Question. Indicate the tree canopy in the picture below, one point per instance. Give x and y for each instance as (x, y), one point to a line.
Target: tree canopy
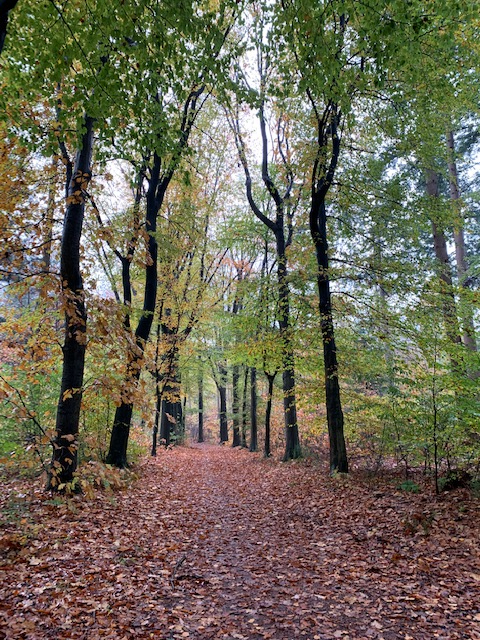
(203, 194)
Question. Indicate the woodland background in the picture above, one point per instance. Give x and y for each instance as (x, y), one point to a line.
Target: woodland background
(240, 221)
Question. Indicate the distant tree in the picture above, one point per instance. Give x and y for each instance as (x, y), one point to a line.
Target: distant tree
(253, 410)
(277, 178)
(201, 404)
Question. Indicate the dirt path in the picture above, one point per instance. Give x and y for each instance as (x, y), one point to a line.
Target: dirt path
(214, 543)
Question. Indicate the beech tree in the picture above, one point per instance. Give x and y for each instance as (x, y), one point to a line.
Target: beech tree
(257, 342)
(158, 181)
(278, 183)
(342, 55)
(171, 107)
(323, 28)
(64, 459)
(56, 98)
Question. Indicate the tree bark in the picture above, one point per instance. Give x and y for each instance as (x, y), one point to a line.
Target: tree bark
(318, 229)
(172, 412)
(222, 392)
(201, 436)
(158, 391)
(292, 439)
(468, 333)
(65, 445)
(235, 406)
(283, 217)
(267, 449)
(236, 309)
(243, 435)
(449, 307)
(158, 414)
(253, 410)
(323, 171)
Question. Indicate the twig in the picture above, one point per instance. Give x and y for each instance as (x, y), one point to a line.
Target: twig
(175, 569)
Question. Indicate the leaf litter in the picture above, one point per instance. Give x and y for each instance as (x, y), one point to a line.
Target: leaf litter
(216, 543)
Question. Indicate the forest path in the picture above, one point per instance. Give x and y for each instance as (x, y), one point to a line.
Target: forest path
(215, 543)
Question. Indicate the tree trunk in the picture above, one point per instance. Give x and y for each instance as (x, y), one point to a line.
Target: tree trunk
(158, 380)
(171, 401)
(449, 307)
(49, 218)
(64, 458)
(177, 415)
(282, 218)
(166, 423)
(171, 422)
(267, 449)
(318, 229)
(468, 334)
(182, 419)
(253, 410)
(292, 439)
(223, 414)
(235, 406)
(243, 442)
(157, 188)
(222, 392)
(158, 414)
(201, 437)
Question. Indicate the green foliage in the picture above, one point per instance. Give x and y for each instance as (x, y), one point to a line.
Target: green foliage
(409, 486)
(398, 75)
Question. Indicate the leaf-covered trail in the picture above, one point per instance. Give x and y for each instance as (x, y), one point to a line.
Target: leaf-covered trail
(214, 543)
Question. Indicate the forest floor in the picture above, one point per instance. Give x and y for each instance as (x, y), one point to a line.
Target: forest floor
(215, 543)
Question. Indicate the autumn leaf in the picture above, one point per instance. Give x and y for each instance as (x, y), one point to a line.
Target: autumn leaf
(235, 553)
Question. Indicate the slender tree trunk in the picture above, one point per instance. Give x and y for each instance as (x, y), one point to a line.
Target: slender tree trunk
(282, 218)
(64, 458)
(183, 418)
(49, 219)
(267, 449)
(166, 423)
(236, 309)
(177, 406)
(223, 414)
(171, 401)
(468, 335)
(243, 442)
(222, 392)
(235, 405)
(253, 410)
(318, 228)
(158, 380)
(158, 414)
(292, 439)
(201, 437)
